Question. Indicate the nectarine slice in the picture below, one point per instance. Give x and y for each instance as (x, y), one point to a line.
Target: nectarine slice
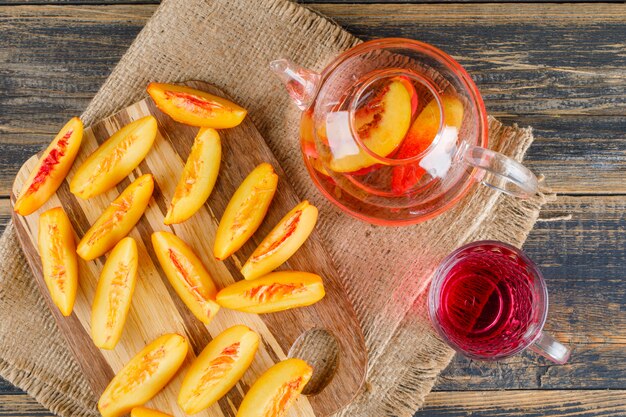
(115, 158)
(58, 258)
(245, 210)
(198, 177)
(118, 219)
(218, 368)
(307, 127)
(381, 124)
(282, 242)
(147, 412)
(277, 291)
(194, 107)
(419, 138)
(276, 390)
(187, 274)
(144, 376)
(113, 294)
(52, 168)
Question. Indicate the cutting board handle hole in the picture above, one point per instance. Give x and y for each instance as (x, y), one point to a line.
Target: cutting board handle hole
(320, 349)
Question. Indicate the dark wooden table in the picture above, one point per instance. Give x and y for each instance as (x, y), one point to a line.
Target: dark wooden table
(560, 68)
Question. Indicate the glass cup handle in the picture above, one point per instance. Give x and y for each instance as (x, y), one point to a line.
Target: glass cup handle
(550, 348)
(507, 175)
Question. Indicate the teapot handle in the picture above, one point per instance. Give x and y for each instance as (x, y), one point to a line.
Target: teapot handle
(501, 172)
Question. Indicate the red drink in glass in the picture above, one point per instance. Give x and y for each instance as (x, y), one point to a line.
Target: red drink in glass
(489, 301)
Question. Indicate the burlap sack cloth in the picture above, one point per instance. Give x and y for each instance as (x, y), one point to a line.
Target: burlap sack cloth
(386, 270)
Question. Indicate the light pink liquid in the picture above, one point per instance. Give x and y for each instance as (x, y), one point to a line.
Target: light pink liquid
(487, 302)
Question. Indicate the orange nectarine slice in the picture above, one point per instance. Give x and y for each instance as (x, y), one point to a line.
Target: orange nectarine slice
(147, 412)
(114, 293)
(277, 291)
(198, 177)
(282, 242)
(187, 274)
(144, 376)
(245, 210)
(118, 219)
(218, 368)
(50, 171)
(419, 138)
(381, 125)
(276, 390)
(58, 258)
(307, 127)
(115, 158)
(307, 141)
(194, 107)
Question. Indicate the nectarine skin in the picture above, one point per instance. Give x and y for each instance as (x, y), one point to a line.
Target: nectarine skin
(381, 125)
(113, 294)
(187, 274)
(194, 107)
(218, 368)
(419, 138)
(273, 292)
(276, 390)
(282, 242)
(52, 168)
(117, 220)
(198, 177)
(115, 159)
(144, 376)
(57, 249)
(245, 211)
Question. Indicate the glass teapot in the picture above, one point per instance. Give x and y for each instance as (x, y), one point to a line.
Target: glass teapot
(394, 132)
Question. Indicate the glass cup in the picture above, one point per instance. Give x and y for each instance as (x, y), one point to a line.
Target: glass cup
(489, 301)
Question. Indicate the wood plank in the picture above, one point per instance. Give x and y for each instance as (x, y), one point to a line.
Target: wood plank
(504, 48)
(5, 213)
(7, 388)
(579, 403)
(21, 405)
(49, 68)
(572, 92)
(577, 154)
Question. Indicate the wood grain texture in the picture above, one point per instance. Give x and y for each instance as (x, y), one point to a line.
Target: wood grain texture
(15, 405)
(525, 404)
(514, 403)
(243, 149)
(558, 68)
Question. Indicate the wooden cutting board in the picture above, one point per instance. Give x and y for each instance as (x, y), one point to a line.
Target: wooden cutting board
(156, 309)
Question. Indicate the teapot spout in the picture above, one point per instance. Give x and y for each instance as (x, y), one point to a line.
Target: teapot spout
(301, 83)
